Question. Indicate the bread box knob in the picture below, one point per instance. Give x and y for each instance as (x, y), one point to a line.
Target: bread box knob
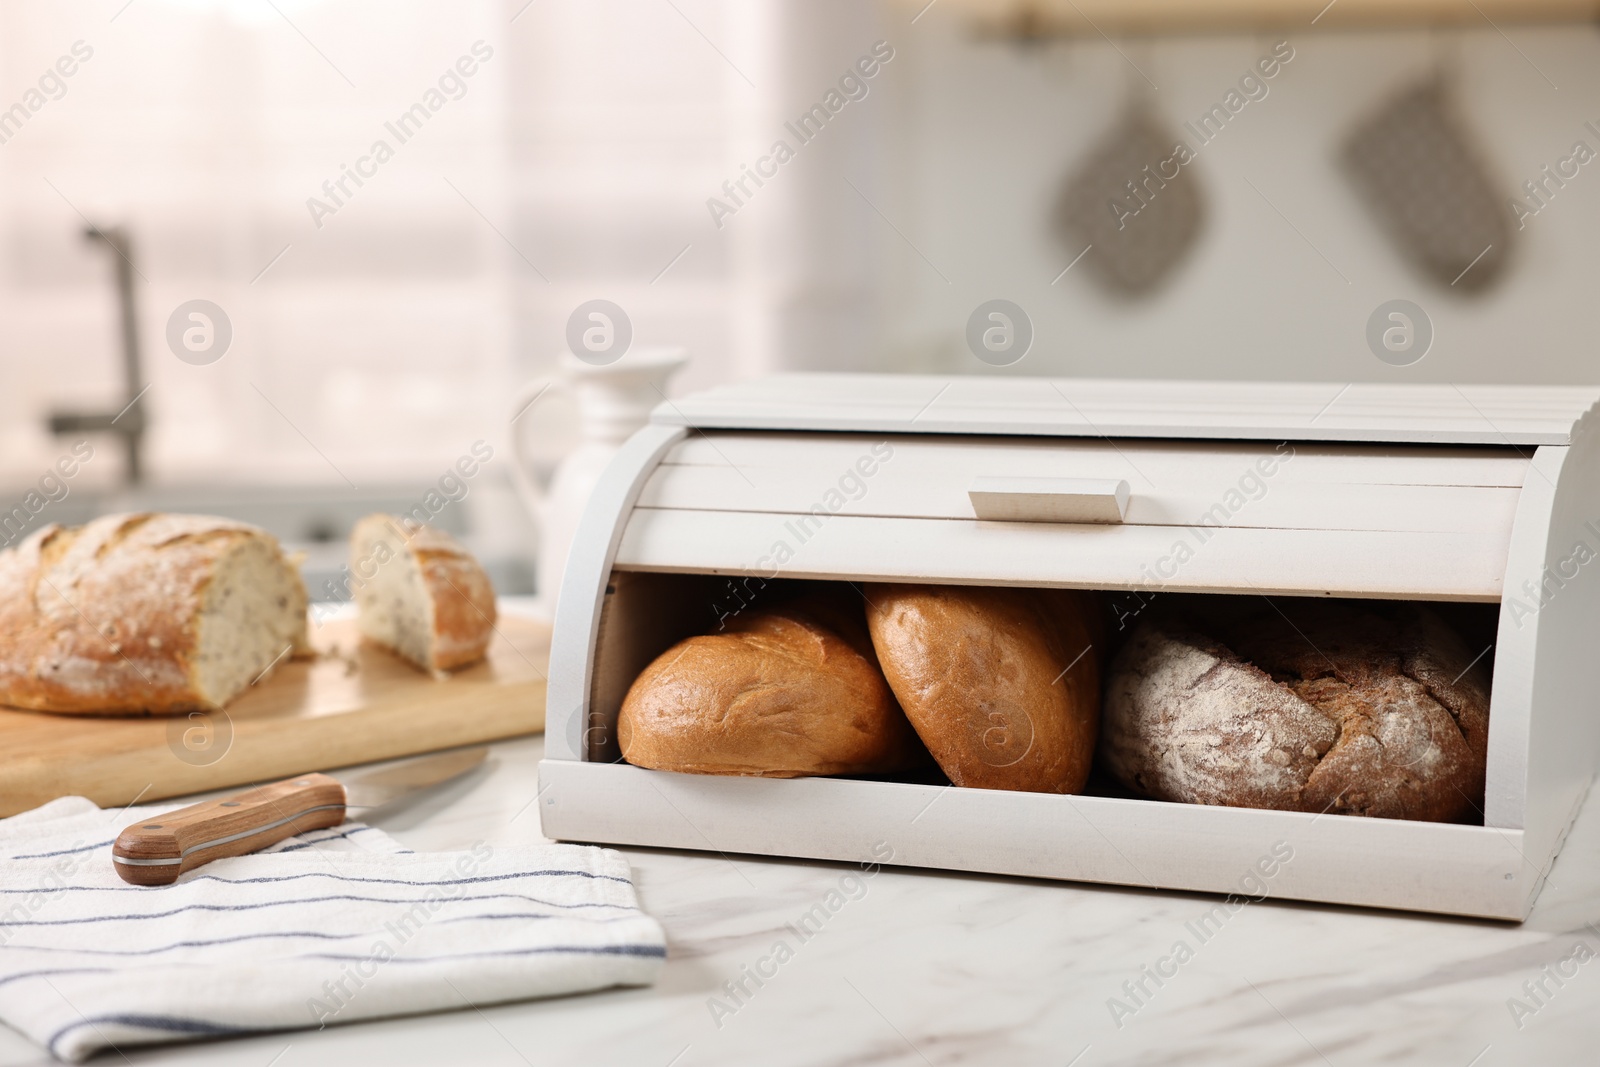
(1049, 499)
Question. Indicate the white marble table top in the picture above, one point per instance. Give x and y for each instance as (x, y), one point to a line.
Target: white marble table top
(918, 967)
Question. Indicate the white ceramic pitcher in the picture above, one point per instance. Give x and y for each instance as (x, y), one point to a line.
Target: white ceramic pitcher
(614, 400)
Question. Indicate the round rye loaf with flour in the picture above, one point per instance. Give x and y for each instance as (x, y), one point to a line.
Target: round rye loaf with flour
(1348, 707)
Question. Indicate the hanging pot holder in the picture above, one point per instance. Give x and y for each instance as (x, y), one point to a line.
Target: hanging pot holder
(1133, 202)
(1417, 170)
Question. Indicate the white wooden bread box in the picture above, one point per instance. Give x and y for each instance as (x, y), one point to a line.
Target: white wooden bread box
(1423, 492)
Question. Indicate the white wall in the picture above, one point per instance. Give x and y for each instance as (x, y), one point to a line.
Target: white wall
(987, 131)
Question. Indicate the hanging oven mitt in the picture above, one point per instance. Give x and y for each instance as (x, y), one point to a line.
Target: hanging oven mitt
(1417, 170)
(1134, 200)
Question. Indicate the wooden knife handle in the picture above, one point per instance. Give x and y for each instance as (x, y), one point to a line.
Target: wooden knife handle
(156, 852)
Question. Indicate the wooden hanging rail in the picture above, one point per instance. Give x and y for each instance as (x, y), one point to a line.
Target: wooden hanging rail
(1076, 18)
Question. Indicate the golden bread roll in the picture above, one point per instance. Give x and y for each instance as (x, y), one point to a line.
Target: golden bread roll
(1002, 685)
(779, 693)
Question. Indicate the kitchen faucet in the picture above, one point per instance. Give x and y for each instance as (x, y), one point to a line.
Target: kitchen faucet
(130, 421)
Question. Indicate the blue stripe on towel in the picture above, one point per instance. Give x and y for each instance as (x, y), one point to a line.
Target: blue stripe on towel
(648, 951)
(316, 874)
(59, 970)
(64, 851)
(309, 900)
(279, 935)
(655, 952)
(171, 1024)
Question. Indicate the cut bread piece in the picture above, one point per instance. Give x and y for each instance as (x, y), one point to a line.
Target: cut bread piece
(421, 595)
(147, 613)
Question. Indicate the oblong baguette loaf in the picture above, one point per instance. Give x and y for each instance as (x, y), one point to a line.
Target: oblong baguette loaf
(145, 613)
(782, 693)
(1002, 685)
(420, 593)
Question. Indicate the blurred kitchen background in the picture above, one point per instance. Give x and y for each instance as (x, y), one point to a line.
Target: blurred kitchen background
(375, 343)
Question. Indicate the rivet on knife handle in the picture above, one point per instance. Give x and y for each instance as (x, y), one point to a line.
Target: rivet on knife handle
(158, 851)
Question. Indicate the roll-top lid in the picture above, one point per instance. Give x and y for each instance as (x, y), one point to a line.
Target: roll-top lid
(1098, 407)
(1296, 518)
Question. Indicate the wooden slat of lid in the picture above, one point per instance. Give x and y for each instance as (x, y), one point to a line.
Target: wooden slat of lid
(1226, 498)
(1173, 483)
(1445, 414)
(1147, 465)
(1468, 565)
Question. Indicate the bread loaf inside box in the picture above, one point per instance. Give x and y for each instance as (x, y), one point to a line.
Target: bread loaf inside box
(1002, 685)
(789, 688)
(812, 678)
(1350, 707)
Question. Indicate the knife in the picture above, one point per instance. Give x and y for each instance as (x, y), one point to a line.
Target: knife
(157, 852)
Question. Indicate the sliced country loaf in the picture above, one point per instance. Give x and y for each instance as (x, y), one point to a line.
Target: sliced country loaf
(145, 613)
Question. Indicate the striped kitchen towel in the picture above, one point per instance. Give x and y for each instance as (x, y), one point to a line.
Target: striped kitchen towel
(328, 927)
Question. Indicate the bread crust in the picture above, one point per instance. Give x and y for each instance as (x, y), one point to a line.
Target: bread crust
(777, 694)
(105, 617)
(1002, 685)
(1335, 707)
(464, 609)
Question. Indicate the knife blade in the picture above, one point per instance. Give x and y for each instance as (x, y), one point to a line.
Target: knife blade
(158, 851)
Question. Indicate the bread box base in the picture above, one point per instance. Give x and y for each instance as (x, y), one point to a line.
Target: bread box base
(1437, 867)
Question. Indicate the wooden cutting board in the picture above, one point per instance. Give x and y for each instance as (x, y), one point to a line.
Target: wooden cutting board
(354, 703)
